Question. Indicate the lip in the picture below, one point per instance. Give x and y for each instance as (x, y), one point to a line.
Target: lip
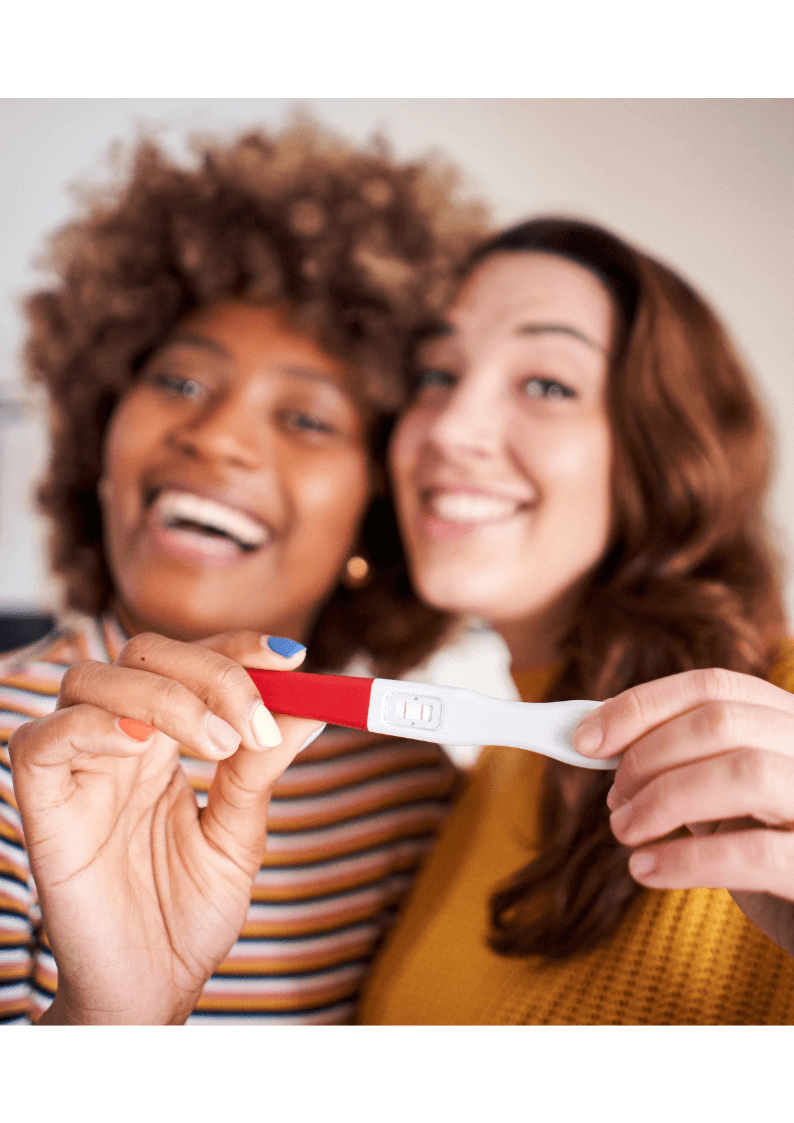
(437, 528)
(226, 496)
(193, 547)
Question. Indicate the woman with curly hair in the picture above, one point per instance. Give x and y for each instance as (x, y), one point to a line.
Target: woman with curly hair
(584, 464)
(222, 350)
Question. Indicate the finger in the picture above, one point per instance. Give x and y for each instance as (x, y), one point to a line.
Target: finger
(622, 720)
(216, 678)
(732, 786)
(153, 699)
(49, 746)
(252, 649)
(235, 818)
(706, 731)
(752, 861)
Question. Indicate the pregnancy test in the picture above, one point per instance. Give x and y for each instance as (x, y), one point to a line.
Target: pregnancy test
(449, 715)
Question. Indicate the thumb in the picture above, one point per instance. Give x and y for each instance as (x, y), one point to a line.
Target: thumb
(235, 818)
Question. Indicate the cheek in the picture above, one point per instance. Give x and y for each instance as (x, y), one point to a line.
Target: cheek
(125, 444)
(331, 499)
(404, 455)
(572, 464)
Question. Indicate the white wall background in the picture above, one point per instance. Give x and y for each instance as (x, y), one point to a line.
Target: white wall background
(707, 185)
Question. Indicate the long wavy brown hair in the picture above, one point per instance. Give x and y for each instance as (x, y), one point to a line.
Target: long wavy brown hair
(689, 578)
(362, 249)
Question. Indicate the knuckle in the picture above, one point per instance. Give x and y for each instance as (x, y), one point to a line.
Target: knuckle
(764, 850)
(232, 677)
(170, 700)
(172, 694)
(234, 644)
(231, 685)
(716, 721)
(638, 706)
(629, 770)
(715, 682)
(77, 679)
(18, 740)
(136, 649)
(75, 674)
(753, 770)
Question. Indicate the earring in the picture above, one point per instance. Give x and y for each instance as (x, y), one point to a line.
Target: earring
(356, 571)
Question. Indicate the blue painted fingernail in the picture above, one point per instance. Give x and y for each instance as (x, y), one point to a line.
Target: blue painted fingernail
(283, 646)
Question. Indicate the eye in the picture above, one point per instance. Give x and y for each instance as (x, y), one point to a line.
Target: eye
(187, 388)
(547, 388)
(429, 377)
(306, 422)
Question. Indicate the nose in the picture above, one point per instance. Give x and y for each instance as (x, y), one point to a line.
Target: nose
(228, 430)
(470, 423)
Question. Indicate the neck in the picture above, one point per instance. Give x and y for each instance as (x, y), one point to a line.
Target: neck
(535, 641)
(182, 628)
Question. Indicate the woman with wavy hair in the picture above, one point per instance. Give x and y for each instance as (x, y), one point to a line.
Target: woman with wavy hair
(584, 464)
(223, 348)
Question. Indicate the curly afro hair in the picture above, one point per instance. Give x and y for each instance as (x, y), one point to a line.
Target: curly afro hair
(365, 251)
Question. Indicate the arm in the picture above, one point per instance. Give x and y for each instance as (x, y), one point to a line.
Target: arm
(143, 895)
(711, 751)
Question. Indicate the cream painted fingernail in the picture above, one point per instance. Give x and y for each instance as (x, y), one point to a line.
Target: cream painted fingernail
(265, 729)
(224, 736)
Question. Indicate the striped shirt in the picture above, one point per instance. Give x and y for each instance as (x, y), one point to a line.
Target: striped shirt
(349, 822)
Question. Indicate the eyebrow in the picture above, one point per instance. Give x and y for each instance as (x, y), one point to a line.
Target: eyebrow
(184, 339)
(444, 331)
(560, 329)
(206, 344)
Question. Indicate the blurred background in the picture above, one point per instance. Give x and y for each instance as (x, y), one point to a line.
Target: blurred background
(705, 184)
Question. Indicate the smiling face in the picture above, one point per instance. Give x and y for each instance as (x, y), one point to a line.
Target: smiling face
(502, 461)
(235, 478)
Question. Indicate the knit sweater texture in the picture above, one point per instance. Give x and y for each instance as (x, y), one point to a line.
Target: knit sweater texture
(681, 957)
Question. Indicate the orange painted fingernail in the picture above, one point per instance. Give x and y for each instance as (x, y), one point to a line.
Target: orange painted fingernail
(138, 730)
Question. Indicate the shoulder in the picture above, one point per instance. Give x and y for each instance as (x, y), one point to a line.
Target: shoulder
(30, 677)
(783, 671)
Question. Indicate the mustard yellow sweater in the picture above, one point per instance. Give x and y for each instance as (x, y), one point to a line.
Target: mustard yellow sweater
(683, 957)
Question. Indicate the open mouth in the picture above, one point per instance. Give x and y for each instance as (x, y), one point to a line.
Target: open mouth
(470, 507)
(207, 520)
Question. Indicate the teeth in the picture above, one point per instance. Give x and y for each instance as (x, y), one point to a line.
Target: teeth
(460, 507)
(173, 507)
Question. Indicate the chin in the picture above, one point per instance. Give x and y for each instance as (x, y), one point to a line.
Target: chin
(174, 615)
(458, 592)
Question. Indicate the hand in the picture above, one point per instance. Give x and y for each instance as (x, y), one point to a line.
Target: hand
(142, 894)
(708, 759)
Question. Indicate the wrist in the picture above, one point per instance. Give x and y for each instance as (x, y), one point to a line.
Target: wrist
(62, 1013)
(57, 1014)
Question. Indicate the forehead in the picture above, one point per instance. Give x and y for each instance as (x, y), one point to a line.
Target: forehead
(243, 329)
(511, 291)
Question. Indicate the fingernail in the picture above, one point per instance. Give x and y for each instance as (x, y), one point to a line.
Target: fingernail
(312, 737)
(641, 863)
(619, 818)
(283, 646)
(265, 729)
(138, 730)
(588, 735)
(224, 736)
(614, 799)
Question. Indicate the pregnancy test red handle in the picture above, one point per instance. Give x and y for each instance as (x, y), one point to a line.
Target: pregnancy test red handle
(337, 699)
